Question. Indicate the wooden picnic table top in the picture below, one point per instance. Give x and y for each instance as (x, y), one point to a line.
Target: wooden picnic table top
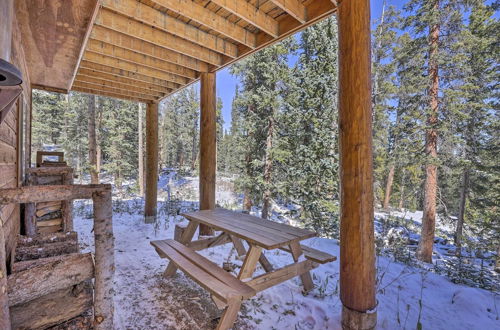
(267, 234)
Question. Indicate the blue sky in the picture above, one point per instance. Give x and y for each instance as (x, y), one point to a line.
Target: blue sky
(226, 83)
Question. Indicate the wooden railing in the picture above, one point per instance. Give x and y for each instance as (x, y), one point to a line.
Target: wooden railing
(103, 235)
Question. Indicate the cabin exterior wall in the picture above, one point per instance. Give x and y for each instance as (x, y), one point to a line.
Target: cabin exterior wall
(15, 144)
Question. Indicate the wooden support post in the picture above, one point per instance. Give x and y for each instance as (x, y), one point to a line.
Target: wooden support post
(208, 145)
(104, 260)
(357, 246)
(151, 162)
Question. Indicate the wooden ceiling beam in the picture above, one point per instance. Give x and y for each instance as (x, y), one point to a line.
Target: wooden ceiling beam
(152, 17)
(146, 48)
(113, 78)
(109, 94)
(107, 89)
(128, 74)
(160, 38)
(294, 8)
(144, 60)
(114, 84)
(124, 65)
(209, 19)
(251, 14)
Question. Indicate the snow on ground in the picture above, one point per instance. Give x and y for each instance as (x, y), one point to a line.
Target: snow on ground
(146, 300)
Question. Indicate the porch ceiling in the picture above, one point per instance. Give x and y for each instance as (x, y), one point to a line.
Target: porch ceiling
(145, 50)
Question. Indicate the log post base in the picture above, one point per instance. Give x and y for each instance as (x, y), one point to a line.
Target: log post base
(354, 320)
(149, 218)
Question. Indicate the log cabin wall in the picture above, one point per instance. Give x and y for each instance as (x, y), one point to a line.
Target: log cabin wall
(15, 145)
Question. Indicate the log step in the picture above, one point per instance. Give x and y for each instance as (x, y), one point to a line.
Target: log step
(47, 245)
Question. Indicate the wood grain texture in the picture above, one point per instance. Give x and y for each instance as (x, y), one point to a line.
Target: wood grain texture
(208, 145)
(49, 277)
(151, 160)
(357, 246)
(53, 32)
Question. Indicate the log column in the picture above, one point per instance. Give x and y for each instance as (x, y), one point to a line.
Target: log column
(151, 162)
(208, 145)
(357, 246)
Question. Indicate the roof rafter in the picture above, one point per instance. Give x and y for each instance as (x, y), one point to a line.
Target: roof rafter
(149, 87)
(109, 94)
(143, 47)
(133, 67)
(209, 19)
(144, 60)
(148, 15)
(145, 32)
(294, 8)
(128, 74)
(251, 14)
(108, 89)
(114, 84)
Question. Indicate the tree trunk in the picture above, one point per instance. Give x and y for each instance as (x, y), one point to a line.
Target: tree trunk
(426, 244)
(94, 175)
(388, 187)
(247, 202)
(497, 260)
(141, 153)
(268, 164)
(464, 193)
(402, 192)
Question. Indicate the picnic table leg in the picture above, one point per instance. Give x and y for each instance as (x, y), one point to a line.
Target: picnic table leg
(305, 277)
(186, 237)
(250, 262)
(229, 315)
(240, 249)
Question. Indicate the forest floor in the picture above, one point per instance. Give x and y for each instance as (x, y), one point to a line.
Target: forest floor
(407, 295)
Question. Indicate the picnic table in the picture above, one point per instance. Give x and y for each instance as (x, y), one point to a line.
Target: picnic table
(227, 290)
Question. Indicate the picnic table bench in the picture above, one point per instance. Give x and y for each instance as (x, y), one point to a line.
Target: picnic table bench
(228, 291)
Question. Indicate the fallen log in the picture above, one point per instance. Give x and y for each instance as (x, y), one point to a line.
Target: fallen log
(46, 250)
(52, 276)
(49, 209)
(49, 223)
(23, 265)
(42, 239)
(42, 205)
(49, 230)
(53, 308)
(49, 216)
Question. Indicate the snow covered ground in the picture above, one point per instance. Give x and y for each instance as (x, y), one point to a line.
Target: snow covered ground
(407, 296)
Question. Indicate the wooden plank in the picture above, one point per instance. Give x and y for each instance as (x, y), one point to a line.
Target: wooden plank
(108, 94)
(241, 225)
(53, 308)
(112, 88)
(113, 84)
(86, 38)
(49, 230)
(187, 236)
(209, 19)
(251, 14)
(281, 275)
(209, 242)
(134, 67)
(313, 254)
(124, 54)
(294, 8)
(49, 277)
(144, 87)
(152, 17)
(7, 154)
(121, 40)
(248, 267)
(213, 269)
(147, 33)
(229, 315)
(7, 135)
(205, 280)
